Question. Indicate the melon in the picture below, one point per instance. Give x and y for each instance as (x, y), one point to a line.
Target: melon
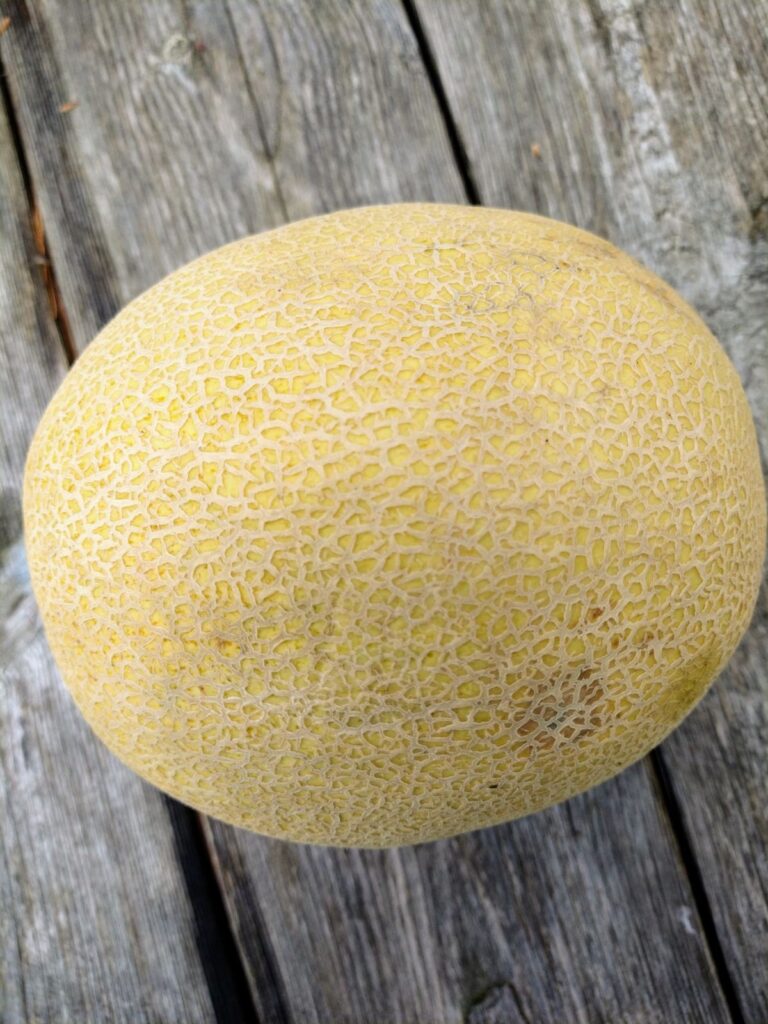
(395, 523)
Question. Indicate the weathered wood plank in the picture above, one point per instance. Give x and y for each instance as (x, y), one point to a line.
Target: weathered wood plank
(197, 123)
(650, 126)
(95, 922)
(578, 914)
(174, 147)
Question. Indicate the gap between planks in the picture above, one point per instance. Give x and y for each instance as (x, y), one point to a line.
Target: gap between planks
(693, 873)
(45, 264)
(459, 150)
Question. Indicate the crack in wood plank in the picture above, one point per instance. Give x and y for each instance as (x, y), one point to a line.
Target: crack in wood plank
(698, 889)
(224, 965)
(38, 234)
(499, 1003)
(454, 134)
(270, 151)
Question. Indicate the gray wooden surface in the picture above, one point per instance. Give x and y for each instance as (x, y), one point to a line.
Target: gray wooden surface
(197, 121)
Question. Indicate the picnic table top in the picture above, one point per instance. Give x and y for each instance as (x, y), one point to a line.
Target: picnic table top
(135, 136)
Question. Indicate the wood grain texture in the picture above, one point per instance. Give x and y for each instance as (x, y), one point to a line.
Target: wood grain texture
(95, 923)
(652, 130)
(198, 122)
(578, 914)
(186, 115)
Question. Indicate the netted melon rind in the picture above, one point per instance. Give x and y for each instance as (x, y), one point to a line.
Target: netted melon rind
(395, 523)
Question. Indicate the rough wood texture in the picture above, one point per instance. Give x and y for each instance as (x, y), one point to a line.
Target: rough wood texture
(579, 914)
(652, 130)
(188, 131)
(198, 122)
(95, 923)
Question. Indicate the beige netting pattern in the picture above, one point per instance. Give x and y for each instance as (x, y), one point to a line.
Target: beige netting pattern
(395, 523)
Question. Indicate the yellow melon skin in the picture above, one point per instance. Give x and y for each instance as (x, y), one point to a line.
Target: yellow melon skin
(395, 523)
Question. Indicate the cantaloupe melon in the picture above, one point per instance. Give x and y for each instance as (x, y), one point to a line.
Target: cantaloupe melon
(395, 523)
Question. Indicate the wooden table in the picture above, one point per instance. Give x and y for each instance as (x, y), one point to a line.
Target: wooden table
(136, 134)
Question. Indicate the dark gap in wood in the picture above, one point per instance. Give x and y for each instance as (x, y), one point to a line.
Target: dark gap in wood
(45, 264)
(13, 124)
(219, 953)
(696, 882)
(273, 1002)
(602, 28)
(454, 137)
(488, 1004)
